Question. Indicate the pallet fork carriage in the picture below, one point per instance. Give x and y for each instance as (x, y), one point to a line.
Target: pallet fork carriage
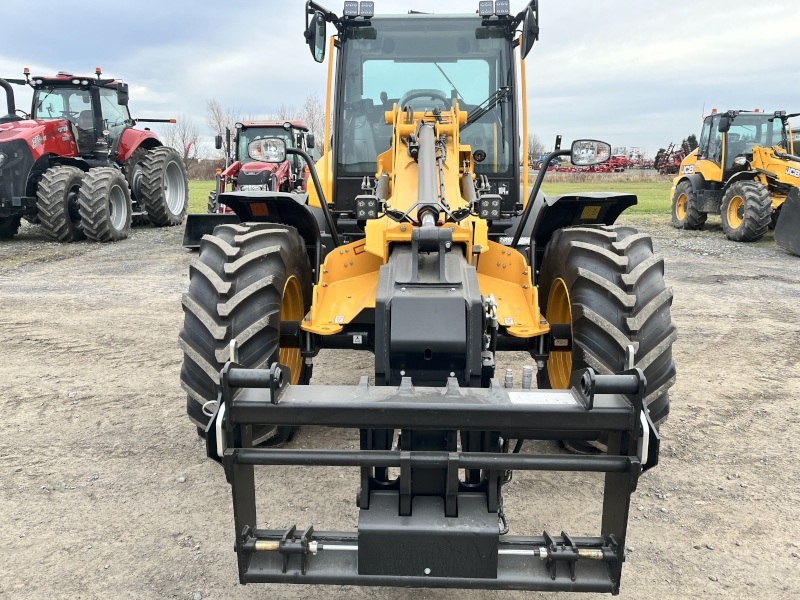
(402, 539)
(422, 242)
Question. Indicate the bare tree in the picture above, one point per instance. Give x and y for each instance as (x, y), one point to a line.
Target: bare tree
(535, 147)
(184, 136)
(219, 119)
(313, 113)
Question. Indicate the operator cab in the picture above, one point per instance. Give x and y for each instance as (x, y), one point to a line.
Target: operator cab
(425, 63)
(727, 139)
(293, 133)
(96, 108)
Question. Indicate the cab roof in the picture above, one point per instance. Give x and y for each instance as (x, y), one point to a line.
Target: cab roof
(301, 125)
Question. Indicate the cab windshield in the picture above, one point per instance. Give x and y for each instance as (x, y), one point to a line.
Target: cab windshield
(73, 104)
(425, 63)
(251, 134)
(748, 131)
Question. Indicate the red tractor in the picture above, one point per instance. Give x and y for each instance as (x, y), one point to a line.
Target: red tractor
(76, 165)
(246, 170)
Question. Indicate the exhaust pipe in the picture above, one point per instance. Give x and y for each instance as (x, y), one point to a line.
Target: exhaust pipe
(12, 109)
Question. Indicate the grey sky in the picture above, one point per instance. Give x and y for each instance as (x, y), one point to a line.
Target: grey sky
(634, 73)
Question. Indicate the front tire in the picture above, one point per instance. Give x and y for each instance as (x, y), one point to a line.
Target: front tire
(746, 211)
(608, 285)
(247, 278)
(105, 205)
(57, 204)
(212, 202)
(164, 187)
(685, 212)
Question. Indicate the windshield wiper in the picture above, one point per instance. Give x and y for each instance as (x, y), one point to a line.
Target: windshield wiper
(449, 81)
(501, 95)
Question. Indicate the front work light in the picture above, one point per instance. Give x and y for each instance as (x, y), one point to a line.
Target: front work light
(486, 8)
(502, 8)
(350, 9)
(367, 9)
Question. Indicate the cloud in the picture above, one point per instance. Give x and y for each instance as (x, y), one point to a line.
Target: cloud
(631, 72)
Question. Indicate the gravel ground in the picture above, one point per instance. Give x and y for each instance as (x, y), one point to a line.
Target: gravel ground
(106, 492)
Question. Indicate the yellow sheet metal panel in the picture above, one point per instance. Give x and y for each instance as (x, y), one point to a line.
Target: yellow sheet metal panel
(504, 273)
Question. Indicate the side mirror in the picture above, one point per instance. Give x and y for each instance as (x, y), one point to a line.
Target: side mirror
(268, 150)
(530, 28)
(724, 124)
(316, 36)
(310, 141)
(218, 142)
(586, 153)
(122, 94)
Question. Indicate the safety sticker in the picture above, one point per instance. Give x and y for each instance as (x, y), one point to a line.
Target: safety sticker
(508, 321)
(339, 320)
(590, 212)
(540, 398)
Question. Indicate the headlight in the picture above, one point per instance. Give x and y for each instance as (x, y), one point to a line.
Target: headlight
(2, 159)
(740, 160)
(253, 188)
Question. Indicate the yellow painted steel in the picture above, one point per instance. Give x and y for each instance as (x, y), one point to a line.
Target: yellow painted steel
(525, 149)
(292, 309)
(735, 212)
(349, 279)
(559, 311)
(326, 176)
(680, 207)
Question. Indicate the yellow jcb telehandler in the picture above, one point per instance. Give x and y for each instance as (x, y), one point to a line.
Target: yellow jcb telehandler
(744, 169)
(421, 244)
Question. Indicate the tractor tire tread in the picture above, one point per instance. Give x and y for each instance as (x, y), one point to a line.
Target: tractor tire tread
(94, 206)
(694, 219)
(154, 172)
(51, 204)
(757, 211)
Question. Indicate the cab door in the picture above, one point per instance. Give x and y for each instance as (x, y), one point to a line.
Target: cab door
(710, 151)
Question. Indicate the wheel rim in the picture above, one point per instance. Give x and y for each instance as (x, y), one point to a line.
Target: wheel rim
(559, 312)
(680, 207)
(117, 207)
(292, 309)
(735, 212)
(136, 181)
(174, 191)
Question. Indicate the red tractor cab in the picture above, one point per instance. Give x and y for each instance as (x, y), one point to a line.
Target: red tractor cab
(76, 165)
(246, 171)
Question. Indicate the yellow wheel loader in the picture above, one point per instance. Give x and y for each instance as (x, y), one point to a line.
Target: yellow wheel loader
(744, 169)
(423, 243)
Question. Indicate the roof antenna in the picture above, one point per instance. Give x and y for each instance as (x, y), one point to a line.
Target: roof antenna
(704, 111)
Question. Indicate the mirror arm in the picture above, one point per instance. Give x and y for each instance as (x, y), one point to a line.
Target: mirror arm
(535, 192)
(325, 208)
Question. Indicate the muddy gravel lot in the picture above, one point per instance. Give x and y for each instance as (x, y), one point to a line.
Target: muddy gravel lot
(106, 492)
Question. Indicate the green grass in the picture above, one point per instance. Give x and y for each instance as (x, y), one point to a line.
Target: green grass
(198, 195)
(654, 198)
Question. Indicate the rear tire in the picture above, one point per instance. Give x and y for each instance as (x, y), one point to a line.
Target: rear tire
(746, 211)
(164, 187)
(9, 226)
(212, 202)
(105, 205)
(246, 278)
(57, 203)
(685, 212)
(616, 296)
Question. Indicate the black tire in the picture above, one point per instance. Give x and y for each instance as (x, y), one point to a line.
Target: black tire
(133, 174)
(9, 226)
(164, 187)
(57, 203)
(236, 291)
(105, 205)
(212, 202)
(746, 211)
(617, 297)
(685, 212)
